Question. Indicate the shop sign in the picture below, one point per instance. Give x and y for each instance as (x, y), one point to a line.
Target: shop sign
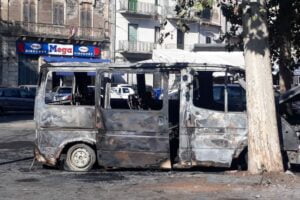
(86, 51)
(60, 49)
(36, 48)
(32, 48)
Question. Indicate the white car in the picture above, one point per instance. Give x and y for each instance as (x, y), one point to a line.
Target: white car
(121, 92)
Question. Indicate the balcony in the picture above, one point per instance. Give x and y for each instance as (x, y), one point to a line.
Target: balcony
(207, 17)
(187, 47)
(141, 9)
(170, 13)
(18, 28)
(135, 47)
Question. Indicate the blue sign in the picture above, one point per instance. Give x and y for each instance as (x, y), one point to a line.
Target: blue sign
(86, 51)
(36, 48)
(32, 48)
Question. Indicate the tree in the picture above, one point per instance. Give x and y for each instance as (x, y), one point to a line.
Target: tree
(284, 28)
(263, 141)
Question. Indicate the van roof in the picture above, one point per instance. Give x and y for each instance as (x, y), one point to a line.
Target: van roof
(163, 66)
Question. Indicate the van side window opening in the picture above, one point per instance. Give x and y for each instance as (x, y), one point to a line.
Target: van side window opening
(134, 91)
(70, 88)
(210, 88)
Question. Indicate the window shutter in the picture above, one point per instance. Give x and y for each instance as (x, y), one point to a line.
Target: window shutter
(55, 14)
(61, 14)
(32, 12)
(88, 18)
(25, 11)
(82, 17)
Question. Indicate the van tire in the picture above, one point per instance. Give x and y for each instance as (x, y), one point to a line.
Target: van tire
(80, 158)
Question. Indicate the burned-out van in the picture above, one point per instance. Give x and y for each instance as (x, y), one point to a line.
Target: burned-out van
(204, 124)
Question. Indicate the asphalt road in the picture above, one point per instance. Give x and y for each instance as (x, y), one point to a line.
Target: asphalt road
(17, 181)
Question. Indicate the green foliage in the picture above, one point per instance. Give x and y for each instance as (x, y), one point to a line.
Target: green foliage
(283, 23)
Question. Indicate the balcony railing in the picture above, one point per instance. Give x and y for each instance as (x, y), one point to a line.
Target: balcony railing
(141, 8)
(207, 16)
(187, 47)
(56, 31)
(135, 46)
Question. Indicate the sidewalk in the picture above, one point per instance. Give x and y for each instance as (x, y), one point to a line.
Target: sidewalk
(17, 121)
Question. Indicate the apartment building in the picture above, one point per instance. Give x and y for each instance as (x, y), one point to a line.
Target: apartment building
(138, 28)
(56, 28)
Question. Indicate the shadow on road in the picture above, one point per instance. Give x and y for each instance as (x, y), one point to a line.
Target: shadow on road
(14, 161)
(15, 117)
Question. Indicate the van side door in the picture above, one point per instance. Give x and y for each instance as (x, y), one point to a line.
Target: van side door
(211, 134)
(133, 132)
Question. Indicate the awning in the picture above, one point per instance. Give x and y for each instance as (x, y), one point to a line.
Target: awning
(55, 59)
(235, 58)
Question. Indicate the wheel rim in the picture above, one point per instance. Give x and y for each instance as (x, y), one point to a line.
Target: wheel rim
(80, 158)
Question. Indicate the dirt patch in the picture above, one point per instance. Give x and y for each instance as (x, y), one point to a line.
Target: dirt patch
(98, 177)
(199, 185)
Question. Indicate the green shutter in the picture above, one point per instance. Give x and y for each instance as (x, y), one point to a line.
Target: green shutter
(132, 32)
(132, 5)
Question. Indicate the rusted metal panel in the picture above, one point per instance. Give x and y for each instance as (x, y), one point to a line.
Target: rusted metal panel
(134, 141)
(67, 116)
(208, 137)
(129, 159)
(135, 120)
(135, 138)
(50, 143)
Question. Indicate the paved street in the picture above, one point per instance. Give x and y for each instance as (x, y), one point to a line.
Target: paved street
(18, 182)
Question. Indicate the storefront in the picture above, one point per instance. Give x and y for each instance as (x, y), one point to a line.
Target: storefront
(29, 52)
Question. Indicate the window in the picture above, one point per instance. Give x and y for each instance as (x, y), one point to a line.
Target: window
(29, 11)
(58, 13)
(86, 15)
(132, 32)
(70, 88)
(132, 5)
(134, 91)
(132, 37)
(156, 34)
(209, 92)
(180, 39)
(208, 40)
(206, 13)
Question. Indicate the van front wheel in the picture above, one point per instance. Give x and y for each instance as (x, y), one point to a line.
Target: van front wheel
(80, 158)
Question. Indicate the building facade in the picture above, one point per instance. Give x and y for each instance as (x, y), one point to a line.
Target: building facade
(57, 28)
(138, 28)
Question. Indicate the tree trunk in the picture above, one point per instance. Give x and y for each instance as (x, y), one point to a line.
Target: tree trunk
(263, 142)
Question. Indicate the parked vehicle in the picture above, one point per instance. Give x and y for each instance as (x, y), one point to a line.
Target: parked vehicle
(16, 100)
(121, 92)
(60, 94)
(30, 88)
(205, 126)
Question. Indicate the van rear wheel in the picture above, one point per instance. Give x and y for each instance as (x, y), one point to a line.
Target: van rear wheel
(80, 158)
